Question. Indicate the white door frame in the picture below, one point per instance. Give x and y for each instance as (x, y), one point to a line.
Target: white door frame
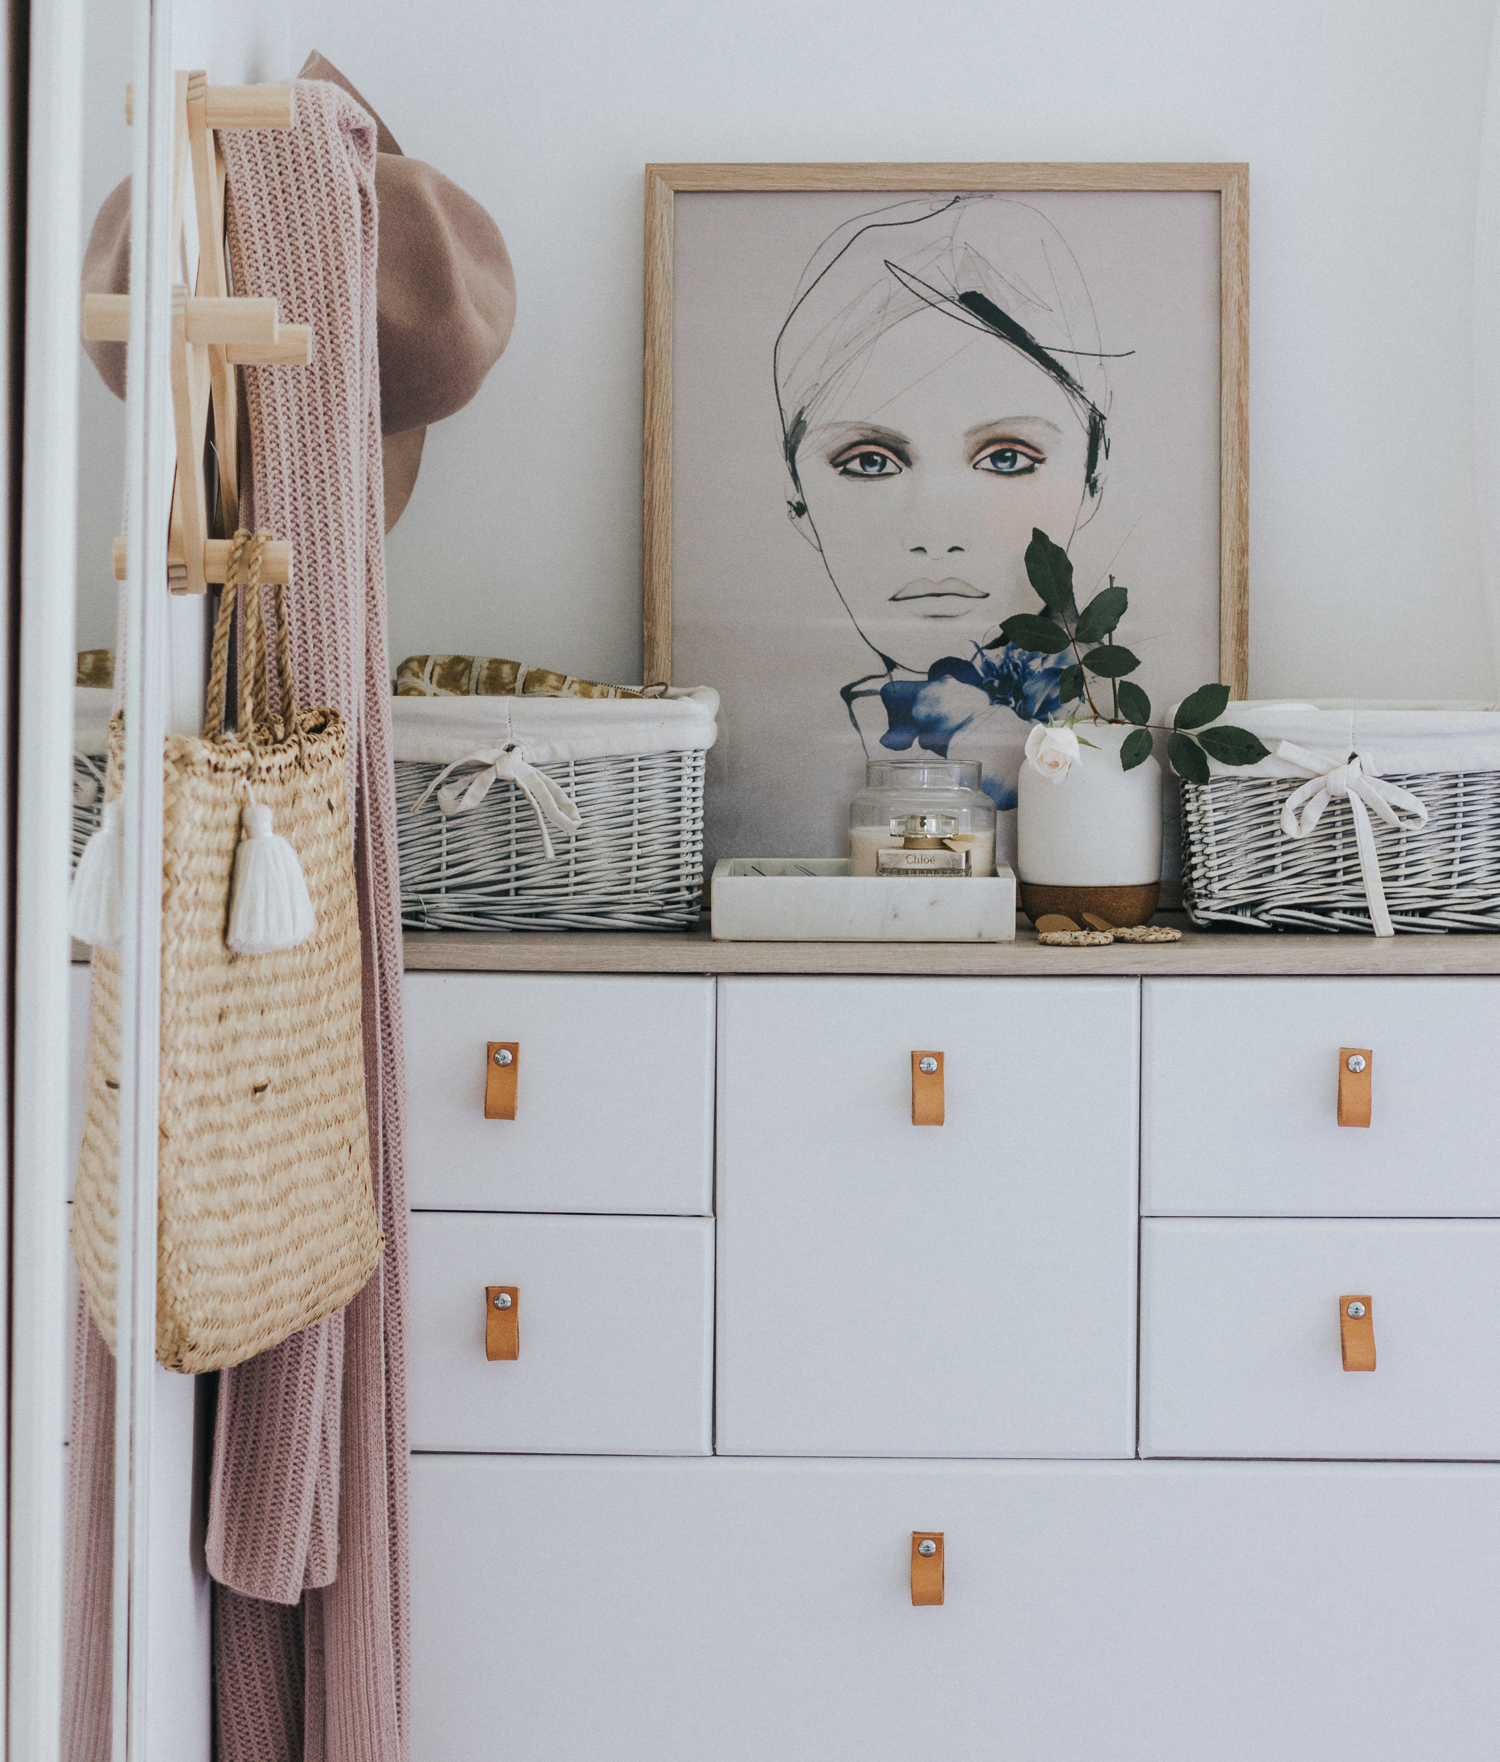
(48, 591)
(47, 665)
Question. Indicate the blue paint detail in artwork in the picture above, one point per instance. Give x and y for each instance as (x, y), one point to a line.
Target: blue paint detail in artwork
(930, 712)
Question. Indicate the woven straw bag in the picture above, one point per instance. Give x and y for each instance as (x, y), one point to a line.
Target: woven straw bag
(267, 1221)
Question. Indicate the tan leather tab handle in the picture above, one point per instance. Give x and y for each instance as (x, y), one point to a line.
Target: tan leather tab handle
(502, 1321)
(502, 1062)
(926, 1568)
(927, 1088)
(1357, 1332)
(1354, 1085)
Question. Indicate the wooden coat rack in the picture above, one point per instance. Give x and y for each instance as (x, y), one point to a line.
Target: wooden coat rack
(213, 332)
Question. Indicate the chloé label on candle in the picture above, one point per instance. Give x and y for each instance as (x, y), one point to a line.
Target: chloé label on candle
(925, 849)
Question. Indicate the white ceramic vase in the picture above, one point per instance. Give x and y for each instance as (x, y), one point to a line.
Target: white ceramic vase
(1090, 840)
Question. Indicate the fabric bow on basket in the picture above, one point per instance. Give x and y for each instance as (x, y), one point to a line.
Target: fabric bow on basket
(1329, 778)
(510, 763)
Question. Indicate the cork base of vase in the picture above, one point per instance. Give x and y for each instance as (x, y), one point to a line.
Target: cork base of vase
(1124, 907)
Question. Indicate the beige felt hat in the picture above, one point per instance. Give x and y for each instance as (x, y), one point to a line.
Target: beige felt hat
(445, 295)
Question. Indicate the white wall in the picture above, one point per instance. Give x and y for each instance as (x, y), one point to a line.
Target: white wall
(1360, 120)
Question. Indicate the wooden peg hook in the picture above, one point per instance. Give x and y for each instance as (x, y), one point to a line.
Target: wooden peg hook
(212, 330)
(275, 562)
(238, 106)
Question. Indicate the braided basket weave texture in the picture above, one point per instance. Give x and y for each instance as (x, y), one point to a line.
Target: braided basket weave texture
(1238, 867)
(636, 862)
(267, 1221)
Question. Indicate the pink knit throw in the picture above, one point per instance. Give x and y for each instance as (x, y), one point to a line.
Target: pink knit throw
(308, 1509)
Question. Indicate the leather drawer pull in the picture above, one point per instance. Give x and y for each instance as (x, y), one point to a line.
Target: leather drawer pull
(1354, 1085)
(502, 1063)
(502, 1322)
(927, 1088)
(1357, 1332)
(926, 1568)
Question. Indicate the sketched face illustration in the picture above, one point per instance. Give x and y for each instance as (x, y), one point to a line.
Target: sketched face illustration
(922, 483)
(942, 394)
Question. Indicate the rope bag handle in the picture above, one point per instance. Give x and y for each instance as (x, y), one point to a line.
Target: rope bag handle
(246, 553)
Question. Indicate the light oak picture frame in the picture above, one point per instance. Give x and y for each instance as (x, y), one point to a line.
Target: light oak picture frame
(1229, 181)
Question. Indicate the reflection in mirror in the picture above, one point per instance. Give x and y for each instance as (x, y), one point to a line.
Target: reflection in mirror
(137, 1443)
(104, 216)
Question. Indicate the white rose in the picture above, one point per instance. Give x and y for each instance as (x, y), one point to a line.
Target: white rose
(1052, 751)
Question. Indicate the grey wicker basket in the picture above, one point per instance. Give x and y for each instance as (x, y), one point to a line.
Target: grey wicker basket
(635, 863)
(88, 799)
(1239, 869)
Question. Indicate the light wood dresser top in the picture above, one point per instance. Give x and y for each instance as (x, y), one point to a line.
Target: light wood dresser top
(1227, 953)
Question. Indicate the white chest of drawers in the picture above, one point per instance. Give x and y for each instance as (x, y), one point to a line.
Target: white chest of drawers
(1087, 1329)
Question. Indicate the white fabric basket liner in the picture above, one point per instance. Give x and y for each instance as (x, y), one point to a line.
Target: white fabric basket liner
(554, 730)
(1393, 738)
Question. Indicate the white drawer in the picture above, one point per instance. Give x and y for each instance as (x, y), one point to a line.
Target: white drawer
(1240, 1095)
(1240, 1352)
(888, 1289)
(616, 1340)
(1134, 1612)
(614, 1106)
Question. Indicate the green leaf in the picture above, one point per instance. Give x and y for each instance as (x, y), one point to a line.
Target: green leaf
(1110, 662)
(1040, 636)
(1186, 758)
(1070, 684)
(1233, 746)
(1050, 571)
(1205, 705)
(1103, 612)
(1135, 749)
(1135, 706)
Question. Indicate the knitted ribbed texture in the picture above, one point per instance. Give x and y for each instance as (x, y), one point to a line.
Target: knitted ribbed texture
(87, 1663)
(303, 230)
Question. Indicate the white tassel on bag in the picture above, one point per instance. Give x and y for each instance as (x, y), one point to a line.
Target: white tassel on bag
(270, 908)
(96, 900)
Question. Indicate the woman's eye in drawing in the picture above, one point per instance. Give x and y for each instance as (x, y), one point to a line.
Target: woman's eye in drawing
(866, 462)
(1007, 459)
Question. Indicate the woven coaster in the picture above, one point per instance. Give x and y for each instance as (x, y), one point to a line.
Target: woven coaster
(1148, 933)
(1075, 938)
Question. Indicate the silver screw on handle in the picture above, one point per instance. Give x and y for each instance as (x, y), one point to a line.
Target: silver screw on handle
(929, 1065)
(1356, 1062)
(927, 1548)
(505, 1057)
(502, 1300)
(1356, 1310)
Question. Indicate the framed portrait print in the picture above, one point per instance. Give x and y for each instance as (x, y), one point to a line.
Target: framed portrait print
(866, 386)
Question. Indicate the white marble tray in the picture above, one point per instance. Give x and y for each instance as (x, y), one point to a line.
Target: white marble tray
(816, 899)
